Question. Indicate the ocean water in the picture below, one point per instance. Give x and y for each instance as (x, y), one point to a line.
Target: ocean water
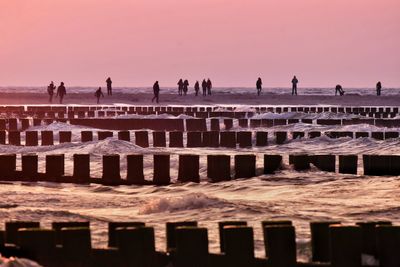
(298, 196)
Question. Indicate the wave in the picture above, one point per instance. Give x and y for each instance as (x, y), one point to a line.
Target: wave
(153, 116)
(49, 214)
(384, 212)
(301, 115)
(102, 189)
(7, 206)
(182, 203)
(60, 126)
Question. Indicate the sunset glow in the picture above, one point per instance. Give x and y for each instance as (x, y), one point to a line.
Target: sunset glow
(233, 42)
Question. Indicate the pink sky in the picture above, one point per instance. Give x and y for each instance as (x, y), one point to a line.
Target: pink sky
(81, 42)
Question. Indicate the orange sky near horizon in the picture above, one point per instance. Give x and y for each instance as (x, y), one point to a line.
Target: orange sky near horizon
(81, 42)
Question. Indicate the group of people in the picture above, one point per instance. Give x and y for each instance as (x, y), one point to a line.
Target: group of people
(338, 88)
(295, 81)
(183, 86)
(206, 86)
(61, 91)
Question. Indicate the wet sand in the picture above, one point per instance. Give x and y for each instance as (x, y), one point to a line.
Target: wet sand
(217, 98)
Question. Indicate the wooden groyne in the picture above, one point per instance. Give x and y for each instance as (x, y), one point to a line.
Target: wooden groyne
(132, 243)
(219, 167)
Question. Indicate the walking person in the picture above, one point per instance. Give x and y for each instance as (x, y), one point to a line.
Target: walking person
(339, 89)
(109, 86)
(156, 91)
(196, 88)
(61, 92)
(294, 85)
(50, 91)
(378, 88)
(259, 86)
(185, 86)
(180, 86)
(98, 94)
(209, 86)
(204, 86)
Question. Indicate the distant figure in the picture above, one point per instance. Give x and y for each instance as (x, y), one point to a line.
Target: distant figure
(204, 86)
(209, 86)
(180, 86)
(109, 87)
(98, 94)
(61, 91)
(378, 88)
(196, 88)
(259, 86)
(294, 85)
(156, 91)
(339, 89)
(185, 86)
(50, 91)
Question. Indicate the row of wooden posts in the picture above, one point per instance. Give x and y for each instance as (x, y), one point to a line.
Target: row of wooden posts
(215, 108)
(14, 124)
(228, 139)
(202, 114)
(132, 243)
(218, 167)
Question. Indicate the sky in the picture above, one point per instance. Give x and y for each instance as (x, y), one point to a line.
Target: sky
(232, 42)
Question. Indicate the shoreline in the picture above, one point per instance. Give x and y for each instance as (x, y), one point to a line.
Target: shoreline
(216, 99)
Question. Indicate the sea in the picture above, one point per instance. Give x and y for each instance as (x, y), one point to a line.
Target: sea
(302, 197)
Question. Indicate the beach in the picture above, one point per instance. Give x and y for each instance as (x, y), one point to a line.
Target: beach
(302, 197)
(222, 96)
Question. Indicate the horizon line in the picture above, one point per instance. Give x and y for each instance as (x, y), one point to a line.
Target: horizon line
(214, 87)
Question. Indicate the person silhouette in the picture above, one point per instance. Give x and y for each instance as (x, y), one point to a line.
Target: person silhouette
(185, 86)
(259, 86)
(61, 91)
(109, 86)
(339, 89)
(50, 91)
(156, 91)
(180, 86)
(378, 88)
(294, 85)
(204, 86)
(209, 86)
(98, 94)
(196, 88)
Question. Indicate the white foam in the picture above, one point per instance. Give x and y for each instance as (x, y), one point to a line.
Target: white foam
(179, 203)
